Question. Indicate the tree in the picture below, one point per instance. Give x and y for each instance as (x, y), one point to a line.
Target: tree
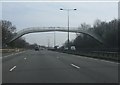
(97, 23)
(0, 35)
(7, 31)
(108, 31)
(84, 26)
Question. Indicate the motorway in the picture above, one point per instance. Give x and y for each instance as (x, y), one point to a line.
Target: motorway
(53, 67)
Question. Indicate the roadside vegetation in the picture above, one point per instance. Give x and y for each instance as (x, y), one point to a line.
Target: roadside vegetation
(85, 45)
(8, 31)
(108, 31)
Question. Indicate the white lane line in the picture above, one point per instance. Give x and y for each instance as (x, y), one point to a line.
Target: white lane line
(7, 56)
(109, 61)
(12, 68)
(25, 58)
(75, 66)
(13, 54)
(98, 59)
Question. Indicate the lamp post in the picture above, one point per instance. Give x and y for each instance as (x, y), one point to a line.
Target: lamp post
(68, 10)
(54, 38)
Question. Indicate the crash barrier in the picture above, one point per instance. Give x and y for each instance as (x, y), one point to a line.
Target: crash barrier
(113, 56)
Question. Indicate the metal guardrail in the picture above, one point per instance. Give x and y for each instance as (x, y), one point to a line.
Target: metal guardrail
(113, 56)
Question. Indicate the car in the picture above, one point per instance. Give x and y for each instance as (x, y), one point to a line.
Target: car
(36, 48)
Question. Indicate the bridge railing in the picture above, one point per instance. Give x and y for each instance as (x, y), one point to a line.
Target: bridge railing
(37, 28)
(45, 28)
(49, 29)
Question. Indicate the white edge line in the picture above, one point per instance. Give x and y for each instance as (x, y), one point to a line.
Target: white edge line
(98, 59)
(63, 1)
(25, 58)
(12, 68)
(75, 66)
(12, 54)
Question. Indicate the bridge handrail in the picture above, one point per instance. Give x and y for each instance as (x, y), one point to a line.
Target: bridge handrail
(64, 29)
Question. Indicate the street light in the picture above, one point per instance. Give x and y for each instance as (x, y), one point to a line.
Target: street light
(68, 23)
(54, 38)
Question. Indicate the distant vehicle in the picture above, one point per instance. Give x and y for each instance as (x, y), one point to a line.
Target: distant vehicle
(41, 48)
(36, 48)
(72, 47)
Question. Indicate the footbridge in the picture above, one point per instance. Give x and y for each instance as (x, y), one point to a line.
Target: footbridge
(49, 29)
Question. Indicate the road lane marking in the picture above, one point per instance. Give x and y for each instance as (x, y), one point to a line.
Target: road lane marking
(25, 58)
(12, 68)
(97, 59)
(75, 66)
(13, 54)
(108, 61)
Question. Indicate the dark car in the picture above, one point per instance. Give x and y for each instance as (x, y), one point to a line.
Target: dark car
(36, 48)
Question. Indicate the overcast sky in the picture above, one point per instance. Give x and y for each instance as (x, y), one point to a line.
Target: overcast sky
(39, 14)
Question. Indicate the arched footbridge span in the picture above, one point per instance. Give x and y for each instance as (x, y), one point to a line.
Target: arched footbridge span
(49, 29)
